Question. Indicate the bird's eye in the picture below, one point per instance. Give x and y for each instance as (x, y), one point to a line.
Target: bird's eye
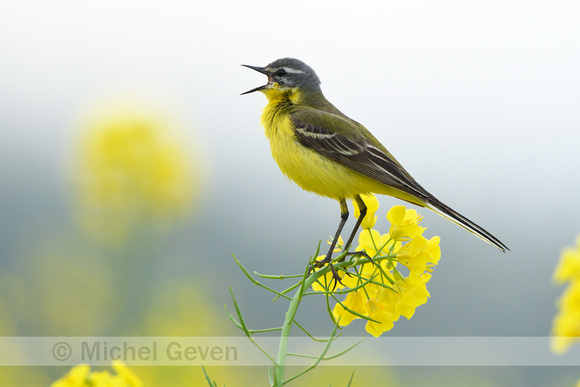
(281, 72)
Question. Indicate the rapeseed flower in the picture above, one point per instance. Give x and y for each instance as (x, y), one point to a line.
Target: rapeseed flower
(132, 171)
(372, 204)
(566, 325)
(81, 376)
(387, 293)
(404, 223)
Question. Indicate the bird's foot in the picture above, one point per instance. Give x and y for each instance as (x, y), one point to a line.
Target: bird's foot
(361, 253)
(335, 276)
(320, 263)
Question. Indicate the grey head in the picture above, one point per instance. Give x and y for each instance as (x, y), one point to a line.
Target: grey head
(288, 73)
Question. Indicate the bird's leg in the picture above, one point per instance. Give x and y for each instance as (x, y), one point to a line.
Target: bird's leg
(363, 211)
(343, 219)
(328, 258)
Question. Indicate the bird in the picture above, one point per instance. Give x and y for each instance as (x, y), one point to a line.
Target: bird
(328, 153)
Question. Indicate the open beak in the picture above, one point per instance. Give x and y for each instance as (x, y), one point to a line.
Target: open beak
(260, 70)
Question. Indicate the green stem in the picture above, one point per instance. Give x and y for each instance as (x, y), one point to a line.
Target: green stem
(305, 283)
(290, 314)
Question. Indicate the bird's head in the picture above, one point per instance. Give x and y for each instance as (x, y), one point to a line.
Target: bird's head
(287, 78)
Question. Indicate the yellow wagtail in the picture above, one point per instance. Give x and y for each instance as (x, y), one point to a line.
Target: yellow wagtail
(325, 152)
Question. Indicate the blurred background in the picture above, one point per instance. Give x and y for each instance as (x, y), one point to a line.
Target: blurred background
(131, 169)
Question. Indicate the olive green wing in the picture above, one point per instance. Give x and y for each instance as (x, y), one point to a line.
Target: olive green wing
(350, 144)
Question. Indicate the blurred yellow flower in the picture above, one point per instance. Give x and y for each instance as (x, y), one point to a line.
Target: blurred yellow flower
(568, 268)
(132, 170)
(566, 324)
(77, 376)
(390, 295)
(81, 376)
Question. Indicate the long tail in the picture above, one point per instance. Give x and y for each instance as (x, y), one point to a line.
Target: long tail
(452, 215)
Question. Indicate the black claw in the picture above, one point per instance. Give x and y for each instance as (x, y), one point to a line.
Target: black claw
(335, 277)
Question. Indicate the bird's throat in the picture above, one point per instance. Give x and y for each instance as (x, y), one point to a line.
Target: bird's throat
(277, 94)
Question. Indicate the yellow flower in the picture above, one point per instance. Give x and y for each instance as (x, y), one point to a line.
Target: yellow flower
(103, 379)
(339, 244)
(379, 312)
(404, 223)
(566, 325)
(386, 294)
(372, 204)
(131, 169)
(126, 374)
(81, 376)
(420, 254)
(76, 377)
(568, 268)
(412, 293)
(373, 243)
(354, 301)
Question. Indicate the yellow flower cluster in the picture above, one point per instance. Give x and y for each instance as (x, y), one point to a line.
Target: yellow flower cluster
(131, 169)
(384, 293)
(566, 325)
(81, 376)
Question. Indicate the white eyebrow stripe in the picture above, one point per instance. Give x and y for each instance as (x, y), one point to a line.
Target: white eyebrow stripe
(293, 71)
(287, 69)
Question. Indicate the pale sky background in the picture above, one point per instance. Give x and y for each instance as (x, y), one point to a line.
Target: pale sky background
(478, 100)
